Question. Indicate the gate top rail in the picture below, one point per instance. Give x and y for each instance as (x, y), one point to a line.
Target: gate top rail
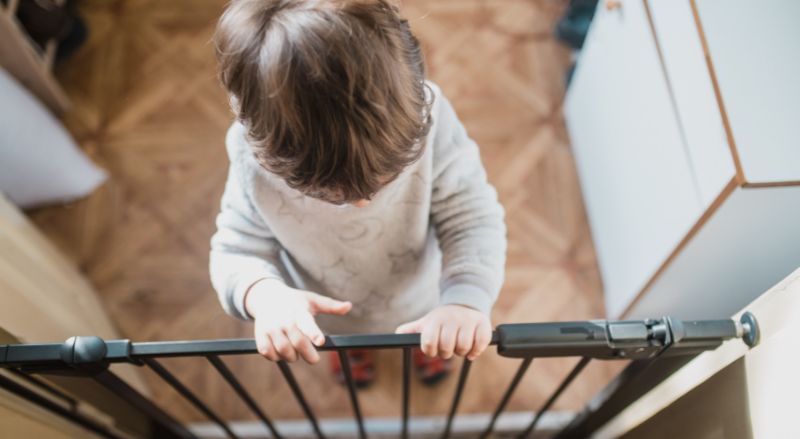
(90, 357)
(597, 339)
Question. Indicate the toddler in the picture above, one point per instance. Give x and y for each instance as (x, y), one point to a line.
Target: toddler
(355, 201)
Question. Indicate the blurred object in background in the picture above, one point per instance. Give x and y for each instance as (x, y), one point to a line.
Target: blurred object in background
(574, 26)
(40, 163)
(46, 20)
(33, 35)
(43, 20)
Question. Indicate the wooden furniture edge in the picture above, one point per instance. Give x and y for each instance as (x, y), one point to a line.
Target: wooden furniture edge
(718, 94)
(771, 184)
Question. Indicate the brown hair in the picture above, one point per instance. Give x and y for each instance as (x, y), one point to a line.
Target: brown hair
(331, 92)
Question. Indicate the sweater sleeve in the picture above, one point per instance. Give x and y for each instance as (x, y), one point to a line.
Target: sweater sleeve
(468, 219)
(243, 249)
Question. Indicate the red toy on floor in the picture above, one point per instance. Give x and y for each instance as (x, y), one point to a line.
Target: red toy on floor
(362, 366)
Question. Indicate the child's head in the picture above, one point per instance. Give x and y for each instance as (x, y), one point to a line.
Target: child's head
(331, 92)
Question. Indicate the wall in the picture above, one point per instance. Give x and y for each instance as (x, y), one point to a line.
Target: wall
(731, 392)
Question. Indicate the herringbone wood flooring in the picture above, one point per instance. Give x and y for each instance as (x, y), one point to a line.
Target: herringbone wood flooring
(149, 109)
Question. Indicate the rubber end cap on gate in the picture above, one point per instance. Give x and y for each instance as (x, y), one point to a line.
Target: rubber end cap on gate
(751, 333)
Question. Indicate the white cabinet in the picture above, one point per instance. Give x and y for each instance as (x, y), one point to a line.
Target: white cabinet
(679, 225)
(752, 239)
(685, 64)
(755, 50)
(635, 175)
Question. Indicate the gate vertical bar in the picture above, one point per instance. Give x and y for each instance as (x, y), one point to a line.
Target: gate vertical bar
(47, 387)
(170, 427)
(298, 394)
(351, 390)
(186, 393)
(462, 379)
(634, 381)
(35, 398)
(226, 373)
(574, 373)
(523, 367)
(406, 390)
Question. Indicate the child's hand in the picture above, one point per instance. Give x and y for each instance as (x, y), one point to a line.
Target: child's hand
(450, 329)
(285, 326)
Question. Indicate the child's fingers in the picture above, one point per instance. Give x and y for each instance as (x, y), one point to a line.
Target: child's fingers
(412, 327)
(309, 327)
(264, 346)
(326, 305)
(302, 345)
(429, 339)
(282, 345)
(447, 340)
(466, 338)
(483, 336)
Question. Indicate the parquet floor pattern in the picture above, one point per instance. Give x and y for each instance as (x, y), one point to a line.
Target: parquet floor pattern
(147, 107)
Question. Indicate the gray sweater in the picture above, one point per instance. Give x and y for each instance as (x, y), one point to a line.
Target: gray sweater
(435, 235)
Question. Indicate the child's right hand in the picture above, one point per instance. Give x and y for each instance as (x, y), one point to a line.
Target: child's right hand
(284, 319)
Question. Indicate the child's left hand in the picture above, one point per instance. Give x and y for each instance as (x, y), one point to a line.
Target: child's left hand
(451, 329)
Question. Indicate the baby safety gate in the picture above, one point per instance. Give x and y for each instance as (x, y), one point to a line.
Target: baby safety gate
(657, 347)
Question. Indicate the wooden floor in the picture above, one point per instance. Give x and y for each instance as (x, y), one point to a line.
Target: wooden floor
(148, 108)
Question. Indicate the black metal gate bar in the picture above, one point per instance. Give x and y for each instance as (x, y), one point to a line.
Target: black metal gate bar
(406, 391)
(631, 384)
(594, 339)
(240, 346)
(523, 367)
(46, 387)
(684, 339)
(351, 390)
(163, 425)
(637, 340)
(298, 394)
(462, 379)
(186, 393)
(167, 427)
(226, 373)
(574, 373)
(71, 415)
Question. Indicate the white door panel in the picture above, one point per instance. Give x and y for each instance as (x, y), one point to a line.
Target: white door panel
(636, 179)
(693, 93)
(755, 49)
